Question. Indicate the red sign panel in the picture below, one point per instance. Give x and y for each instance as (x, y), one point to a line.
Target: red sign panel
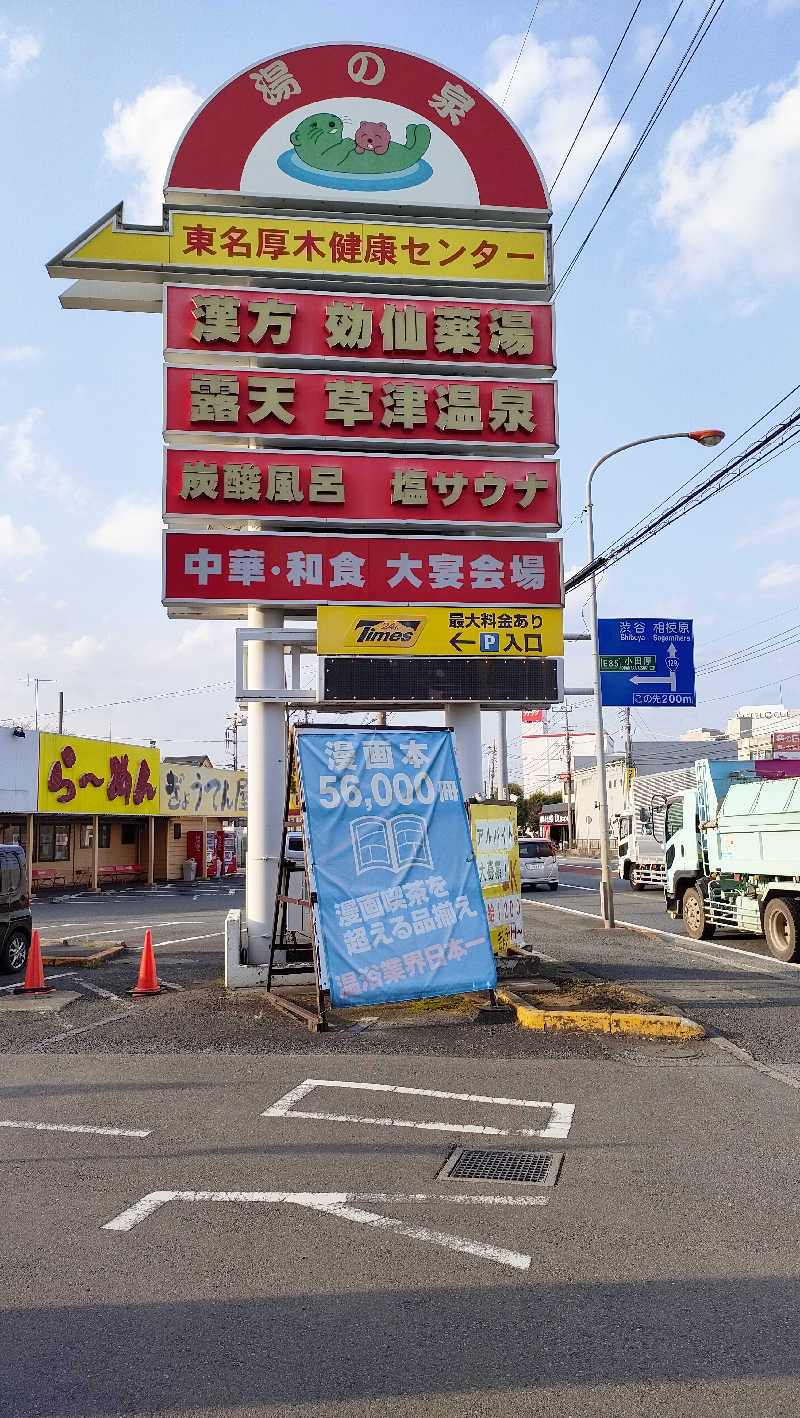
(786, 743)
(306, 569)
(302, 325)
(232, 142)
(298, 404)
(361, 487)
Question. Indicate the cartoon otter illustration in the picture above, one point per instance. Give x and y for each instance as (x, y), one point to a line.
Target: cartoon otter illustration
(318, 142)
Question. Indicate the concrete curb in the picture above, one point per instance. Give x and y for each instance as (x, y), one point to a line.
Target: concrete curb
(85, 961)
(603, 1021)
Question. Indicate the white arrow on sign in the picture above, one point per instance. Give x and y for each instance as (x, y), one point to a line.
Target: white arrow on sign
(656, 679)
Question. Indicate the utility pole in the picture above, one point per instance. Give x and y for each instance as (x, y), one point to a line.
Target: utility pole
(37, 680)
(626, 720)
(232, 740)
(568, 746)
(61, 711)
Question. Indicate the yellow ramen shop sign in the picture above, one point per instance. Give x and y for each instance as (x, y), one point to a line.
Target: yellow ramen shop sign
(94, 776)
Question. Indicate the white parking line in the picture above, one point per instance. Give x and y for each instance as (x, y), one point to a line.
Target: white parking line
(76, 1127)
(86, 1028)
(339, 1204)
(63, 975)
(557, 1126)
(184, 940)
(134, 924)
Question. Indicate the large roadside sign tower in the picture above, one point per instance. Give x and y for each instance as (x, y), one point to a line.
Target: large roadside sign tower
(355, 271)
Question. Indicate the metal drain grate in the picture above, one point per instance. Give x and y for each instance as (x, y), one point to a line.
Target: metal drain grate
(482, 1164)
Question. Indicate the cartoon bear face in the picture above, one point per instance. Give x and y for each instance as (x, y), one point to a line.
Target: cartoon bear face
(372, 137)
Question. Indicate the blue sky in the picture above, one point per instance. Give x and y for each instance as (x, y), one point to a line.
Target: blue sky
(682, 312)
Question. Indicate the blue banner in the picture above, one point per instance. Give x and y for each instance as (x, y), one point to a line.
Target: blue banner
(399, 910)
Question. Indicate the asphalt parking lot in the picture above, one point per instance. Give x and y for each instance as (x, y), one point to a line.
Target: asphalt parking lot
(215, 1212)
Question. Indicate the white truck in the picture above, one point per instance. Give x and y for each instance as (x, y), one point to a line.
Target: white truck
(639, 828)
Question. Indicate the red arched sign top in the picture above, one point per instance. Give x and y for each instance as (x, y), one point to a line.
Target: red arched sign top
(368, 120)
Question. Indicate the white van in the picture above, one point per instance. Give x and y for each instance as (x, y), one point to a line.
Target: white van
(537, 863)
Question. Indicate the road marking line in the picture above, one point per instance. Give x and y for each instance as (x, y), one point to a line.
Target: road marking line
(338, 1204)
(515, 1259)
(184, 940)
(557, 1126)
(85, 1029)
(77, 1127)
(132, 923)
(397, 1198)
(96, 989)
(683, 940)
(64, 974)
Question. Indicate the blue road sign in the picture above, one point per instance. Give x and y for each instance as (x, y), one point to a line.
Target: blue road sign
(646, 663)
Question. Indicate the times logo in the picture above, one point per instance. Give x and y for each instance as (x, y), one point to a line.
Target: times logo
(398, 631)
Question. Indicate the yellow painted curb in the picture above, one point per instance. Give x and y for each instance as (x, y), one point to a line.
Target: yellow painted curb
(603, 1021)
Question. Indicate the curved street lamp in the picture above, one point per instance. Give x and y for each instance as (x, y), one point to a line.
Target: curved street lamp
(708, 438)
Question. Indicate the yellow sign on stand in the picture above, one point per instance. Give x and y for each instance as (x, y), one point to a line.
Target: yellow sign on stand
(440, 630)
(496, 844)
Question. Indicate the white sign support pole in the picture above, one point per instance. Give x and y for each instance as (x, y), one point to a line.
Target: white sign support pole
(502, 754)
(465, 720)
(266, 784)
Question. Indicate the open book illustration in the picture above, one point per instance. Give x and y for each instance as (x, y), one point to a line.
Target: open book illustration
(392, 844)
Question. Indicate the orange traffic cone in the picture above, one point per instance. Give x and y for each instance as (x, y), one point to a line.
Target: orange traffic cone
(34, 973)
(147, 983)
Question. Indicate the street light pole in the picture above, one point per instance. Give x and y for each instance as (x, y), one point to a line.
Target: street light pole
(709, 438)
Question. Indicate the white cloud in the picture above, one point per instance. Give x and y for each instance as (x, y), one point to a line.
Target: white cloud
(26, 462)
(729, 199)
(141, 138)
(18, 49)
(785, 519)
(130, 529)
(19, 354)
(550, 93)
(82, 649)
(33, 647)
(778, 575)
(18, 543)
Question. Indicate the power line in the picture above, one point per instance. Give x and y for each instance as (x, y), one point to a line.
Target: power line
(750, 626)
(596, 95)
(519, 56)
(709, 463)
(618, 123)
(677, 74)
(147, 698)
(776, 441)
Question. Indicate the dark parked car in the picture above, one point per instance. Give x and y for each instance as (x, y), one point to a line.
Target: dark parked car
(15, 910)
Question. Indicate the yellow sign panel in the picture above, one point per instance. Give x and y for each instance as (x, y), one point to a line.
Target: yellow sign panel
(210, 242)
(494, 838)
(439, 630)
(190, 791)
(94, 776)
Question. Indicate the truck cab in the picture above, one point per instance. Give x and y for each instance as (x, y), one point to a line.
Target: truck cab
(681, 849)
